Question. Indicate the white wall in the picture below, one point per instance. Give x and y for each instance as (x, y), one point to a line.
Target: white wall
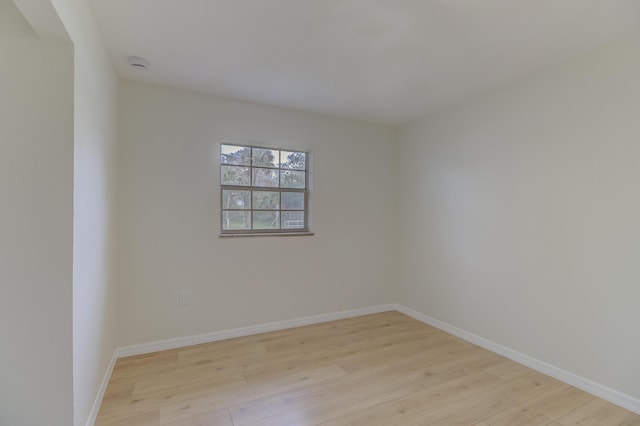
(12, 22)
(170, 220)
(521, 217)
(94, 285)
(36, 217)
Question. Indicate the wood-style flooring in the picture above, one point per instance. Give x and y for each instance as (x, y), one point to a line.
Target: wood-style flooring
(383, 369)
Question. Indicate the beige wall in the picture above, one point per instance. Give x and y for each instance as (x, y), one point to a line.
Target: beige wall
(36, 217)
(95, 125)
(170, 221)
(520, 218)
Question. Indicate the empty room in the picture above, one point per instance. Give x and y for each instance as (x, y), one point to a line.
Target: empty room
(305, 212)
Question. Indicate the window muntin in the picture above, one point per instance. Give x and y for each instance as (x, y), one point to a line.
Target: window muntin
(263, 190)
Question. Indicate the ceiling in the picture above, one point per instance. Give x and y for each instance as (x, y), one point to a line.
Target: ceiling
(386, 61)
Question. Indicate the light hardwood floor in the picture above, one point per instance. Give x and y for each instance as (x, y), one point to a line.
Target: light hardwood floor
(382, 369)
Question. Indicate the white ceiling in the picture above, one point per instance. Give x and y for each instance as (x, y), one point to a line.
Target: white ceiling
(387, 61)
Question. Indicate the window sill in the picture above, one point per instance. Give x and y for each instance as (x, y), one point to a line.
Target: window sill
(268, 234)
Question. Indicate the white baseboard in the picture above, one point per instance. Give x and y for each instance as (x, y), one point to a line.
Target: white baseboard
(180, 342)
(601, 391)
(93, 414)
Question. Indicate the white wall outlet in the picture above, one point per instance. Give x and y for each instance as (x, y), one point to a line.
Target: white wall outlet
(184, 298)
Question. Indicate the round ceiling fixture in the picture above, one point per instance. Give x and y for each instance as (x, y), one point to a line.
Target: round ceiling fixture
(138, 63)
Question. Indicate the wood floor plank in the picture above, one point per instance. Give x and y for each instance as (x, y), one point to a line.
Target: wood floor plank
(557, 404)
(218, 400)
(593, 413)
(418, 403)
(215, 418)
(336, 422)
(482, 405)
(274, 404)
(124, 418)
(381, 369)
(349, 396)
(515, 416)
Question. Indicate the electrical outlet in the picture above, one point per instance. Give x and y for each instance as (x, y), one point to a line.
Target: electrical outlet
(185, 298)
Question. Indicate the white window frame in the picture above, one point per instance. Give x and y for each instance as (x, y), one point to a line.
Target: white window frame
(305, 230)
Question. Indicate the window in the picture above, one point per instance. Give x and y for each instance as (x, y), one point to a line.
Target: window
(263, 190)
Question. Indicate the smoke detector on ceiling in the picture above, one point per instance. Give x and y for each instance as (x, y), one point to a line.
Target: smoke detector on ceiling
(138, 63)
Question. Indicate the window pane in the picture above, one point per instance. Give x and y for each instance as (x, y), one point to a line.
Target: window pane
(236, 199)
(233, 175)
(293, 160)
(239, 155)
(292, 201)
(265, 157)
(266, 220)
(265, 177)
(292, 179)
(266, 200)
(236, 220)
(292, 220)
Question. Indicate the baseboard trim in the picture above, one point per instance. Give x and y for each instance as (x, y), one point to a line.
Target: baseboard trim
(180, 342)
(596, 389)
(93, 414)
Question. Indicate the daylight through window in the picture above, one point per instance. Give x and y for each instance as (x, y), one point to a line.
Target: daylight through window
(263, 190)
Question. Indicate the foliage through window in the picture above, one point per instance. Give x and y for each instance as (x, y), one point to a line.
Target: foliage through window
(263, 190)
